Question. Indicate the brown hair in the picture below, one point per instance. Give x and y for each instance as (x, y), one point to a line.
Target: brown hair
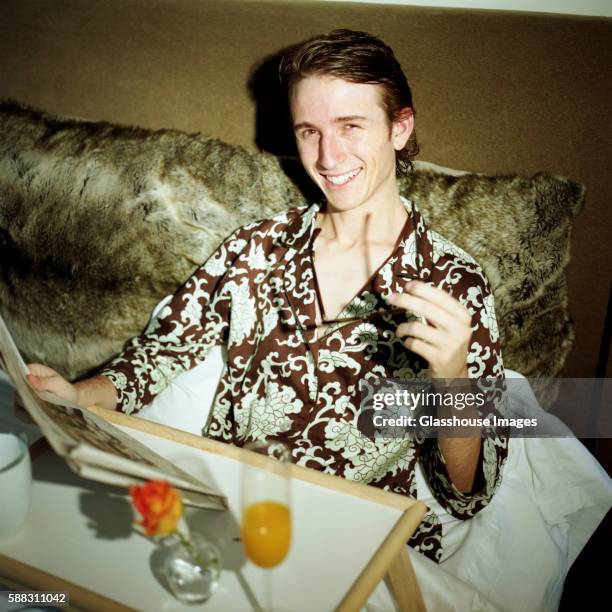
(357, 57)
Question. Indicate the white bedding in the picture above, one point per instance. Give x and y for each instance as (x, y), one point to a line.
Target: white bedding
(514, 555)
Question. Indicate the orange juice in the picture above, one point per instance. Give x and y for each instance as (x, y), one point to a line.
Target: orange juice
(266, 532)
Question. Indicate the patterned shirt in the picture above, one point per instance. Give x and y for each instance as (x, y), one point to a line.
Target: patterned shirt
(257, 294)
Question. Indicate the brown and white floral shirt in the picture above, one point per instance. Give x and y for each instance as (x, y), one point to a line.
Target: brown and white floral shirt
(257, 295)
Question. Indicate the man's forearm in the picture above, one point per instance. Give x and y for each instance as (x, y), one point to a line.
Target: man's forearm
(98, 391)
(461, 454)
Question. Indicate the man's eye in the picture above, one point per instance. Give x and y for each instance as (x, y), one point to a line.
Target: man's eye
(307, 133)
(352, 126)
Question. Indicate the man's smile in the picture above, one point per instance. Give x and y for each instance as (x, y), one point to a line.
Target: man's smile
(341, 179)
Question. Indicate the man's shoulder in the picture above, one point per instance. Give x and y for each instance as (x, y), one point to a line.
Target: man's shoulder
(446, 250)
(447, 254)
(273, 227)
(256, 245)
(290, 229)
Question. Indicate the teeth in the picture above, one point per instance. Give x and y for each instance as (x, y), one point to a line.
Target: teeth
(343, 178)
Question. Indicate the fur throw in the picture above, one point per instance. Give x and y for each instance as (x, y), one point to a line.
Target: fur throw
(98, 222)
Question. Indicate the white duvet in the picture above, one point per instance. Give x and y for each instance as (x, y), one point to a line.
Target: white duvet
(514, 554)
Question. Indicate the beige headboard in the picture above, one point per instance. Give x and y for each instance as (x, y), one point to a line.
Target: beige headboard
(495, 92)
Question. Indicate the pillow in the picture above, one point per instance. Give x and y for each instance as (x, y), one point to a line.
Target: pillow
(98, 222)
(519, 231)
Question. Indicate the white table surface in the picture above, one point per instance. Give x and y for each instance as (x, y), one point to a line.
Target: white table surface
(82, 532)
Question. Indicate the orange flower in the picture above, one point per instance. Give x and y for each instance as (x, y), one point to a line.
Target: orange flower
(160, 506)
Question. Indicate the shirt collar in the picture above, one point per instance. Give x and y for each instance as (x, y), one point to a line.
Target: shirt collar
(413, 256)
(299, 230)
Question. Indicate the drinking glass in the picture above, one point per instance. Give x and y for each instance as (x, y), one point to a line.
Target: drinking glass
(15, 484)
(266, 508)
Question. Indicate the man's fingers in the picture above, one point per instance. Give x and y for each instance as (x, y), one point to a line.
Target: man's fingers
(43, 378)
(38, 369)
(35, 381)
(428, 334)
(431, 312)
(46, 383)
(440, 298)
(422, 348)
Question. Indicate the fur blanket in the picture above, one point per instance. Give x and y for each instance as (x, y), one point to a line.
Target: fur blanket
(98, 222)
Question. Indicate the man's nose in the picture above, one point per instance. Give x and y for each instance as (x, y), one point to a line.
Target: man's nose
(331, 152)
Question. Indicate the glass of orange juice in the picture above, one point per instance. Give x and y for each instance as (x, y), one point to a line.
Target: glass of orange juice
(266, 508)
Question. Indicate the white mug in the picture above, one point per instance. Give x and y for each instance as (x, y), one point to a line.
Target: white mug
(15, 484)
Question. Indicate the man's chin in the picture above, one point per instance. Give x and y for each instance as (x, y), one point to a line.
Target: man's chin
(344, 197)
(342, 204)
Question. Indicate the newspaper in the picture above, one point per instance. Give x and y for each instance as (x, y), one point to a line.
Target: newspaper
(93, 447)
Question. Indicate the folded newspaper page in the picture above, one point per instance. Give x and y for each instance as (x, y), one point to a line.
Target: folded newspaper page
(93, 447)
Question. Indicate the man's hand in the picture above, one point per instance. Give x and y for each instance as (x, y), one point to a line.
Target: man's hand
(444, 342)
(98, 390)
(43, 378)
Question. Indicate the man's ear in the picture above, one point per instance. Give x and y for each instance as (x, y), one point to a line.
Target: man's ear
(401, 128)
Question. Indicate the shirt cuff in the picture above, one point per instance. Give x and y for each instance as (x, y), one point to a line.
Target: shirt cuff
(128, 400)
(464, 505)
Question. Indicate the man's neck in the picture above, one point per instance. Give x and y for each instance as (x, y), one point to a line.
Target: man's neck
(377, 221)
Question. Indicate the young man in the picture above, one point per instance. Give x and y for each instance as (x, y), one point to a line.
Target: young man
(271, 291)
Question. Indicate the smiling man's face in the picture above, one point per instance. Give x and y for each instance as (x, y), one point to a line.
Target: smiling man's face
(345, 141)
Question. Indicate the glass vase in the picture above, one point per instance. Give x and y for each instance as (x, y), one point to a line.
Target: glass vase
(190, 567)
